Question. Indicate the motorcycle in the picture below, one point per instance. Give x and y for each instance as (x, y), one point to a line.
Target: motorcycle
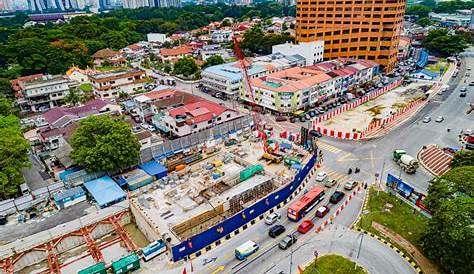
(357, 170)
(349, 171)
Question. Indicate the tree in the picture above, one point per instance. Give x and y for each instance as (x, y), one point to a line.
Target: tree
(213, 61)
(185, 66)
(449, 239)
(102, 143)
(456, 182)
(418, 10)
(424, 22)
(463, 158)
(6, 107)
(440, 41)
(256, 41)
(13, 155)
(73, 98)
(225, 23)
(5, 88)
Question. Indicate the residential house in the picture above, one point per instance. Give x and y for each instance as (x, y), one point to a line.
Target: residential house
(221, 36)
(80, 75)
(16, 82)
(61, 122)
(172, 55)
(195, 117)
(108, 57)
(110, 84)
(211, 50)
(404, 47)
(36, 94)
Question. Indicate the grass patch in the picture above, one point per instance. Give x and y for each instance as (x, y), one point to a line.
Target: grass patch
(436, 67)
(389, 211)
(110, 68)
(86, 87)
(333, 264)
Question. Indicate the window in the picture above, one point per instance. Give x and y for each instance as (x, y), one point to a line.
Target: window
(228, 115)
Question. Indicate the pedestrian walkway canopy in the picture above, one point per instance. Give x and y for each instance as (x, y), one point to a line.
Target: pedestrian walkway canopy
(105, 191)
(154, 168)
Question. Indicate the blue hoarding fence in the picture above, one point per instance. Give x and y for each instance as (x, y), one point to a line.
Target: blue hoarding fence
(223, 229)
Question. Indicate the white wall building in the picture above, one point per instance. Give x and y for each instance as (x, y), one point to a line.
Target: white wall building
(311, 51)
(43, 93)
(110, 84)
(156, 37)
(222, 36)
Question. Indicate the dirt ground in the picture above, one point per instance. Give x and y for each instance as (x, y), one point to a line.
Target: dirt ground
(359, 118)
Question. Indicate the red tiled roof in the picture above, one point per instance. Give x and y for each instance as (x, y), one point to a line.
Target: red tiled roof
(199, 111)
(16, 83)
(105, 53)
(175, 51)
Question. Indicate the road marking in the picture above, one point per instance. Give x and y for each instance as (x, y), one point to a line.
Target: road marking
(328, 147)
(344, 158)
(219, 269)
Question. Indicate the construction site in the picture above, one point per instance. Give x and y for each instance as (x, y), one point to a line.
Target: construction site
(226, 178)
(357, 119)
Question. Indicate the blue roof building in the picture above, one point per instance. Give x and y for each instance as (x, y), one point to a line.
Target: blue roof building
(105, 191)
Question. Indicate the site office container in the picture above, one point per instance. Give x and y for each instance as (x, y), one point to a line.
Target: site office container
(126, 264)
(98, 268)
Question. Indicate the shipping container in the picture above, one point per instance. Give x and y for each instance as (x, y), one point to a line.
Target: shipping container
(126, 264)
(98, 268)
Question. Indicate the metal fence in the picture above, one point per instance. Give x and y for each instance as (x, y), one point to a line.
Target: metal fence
(197, 242)
(167, 148)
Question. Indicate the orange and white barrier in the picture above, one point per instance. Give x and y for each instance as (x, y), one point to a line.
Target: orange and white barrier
(354, 104)
(339, 134)
(339, 209)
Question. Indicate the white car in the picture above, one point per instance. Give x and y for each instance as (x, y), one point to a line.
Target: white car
(439, 119)
(427, 119)
(321, 176)
(272, 218)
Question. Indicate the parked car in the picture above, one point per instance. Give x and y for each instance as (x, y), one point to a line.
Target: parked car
(471, 84)
(336, 197)
(330, 183)
(272, 218)
(276, 231)
(462, 94)
(302, 119)
(350, 185)
(305, 226)
(292, 119)
(286, 242)
(322, 211)
(463, 89)
(307, 116)
(427, 119)
(312, 113)
(280, 119)
(439, 119)
(321, 176)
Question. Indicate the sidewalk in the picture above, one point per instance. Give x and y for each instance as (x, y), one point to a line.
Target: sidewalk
(426, 265)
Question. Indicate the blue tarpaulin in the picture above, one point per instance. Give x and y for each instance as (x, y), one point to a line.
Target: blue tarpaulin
(154, 168)
(286, 146)
(105, 191)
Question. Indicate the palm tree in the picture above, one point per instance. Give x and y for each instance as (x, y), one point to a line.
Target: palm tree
(73, 98)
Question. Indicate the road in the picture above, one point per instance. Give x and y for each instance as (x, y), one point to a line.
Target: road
(372, 157)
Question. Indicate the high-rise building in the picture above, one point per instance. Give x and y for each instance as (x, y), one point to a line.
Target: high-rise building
(363, 29)
(133, 4)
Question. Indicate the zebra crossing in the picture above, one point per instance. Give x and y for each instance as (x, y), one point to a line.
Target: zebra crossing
(339, 177)
(327, 147)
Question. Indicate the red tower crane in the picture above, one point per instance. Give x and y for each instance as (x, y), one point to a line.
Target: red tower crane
(259, 127)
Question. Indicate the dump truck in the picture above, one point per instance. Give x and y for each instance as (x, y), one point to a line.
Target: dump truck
(405, 161)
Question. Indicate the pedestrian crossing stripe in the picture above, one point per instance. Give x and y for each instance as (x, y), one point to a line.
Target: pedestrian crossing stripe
(335, 175)
(328, 147)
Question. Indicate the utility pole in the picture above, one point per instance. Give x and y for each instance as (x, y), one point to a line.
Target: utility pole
(360, 244)
(380, 177)
(291, 256)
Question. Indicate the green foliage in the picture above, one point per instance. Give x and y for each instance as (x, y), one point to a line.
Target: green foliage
(456, 182)
(226, 23)
(213, 61)
(256, 41)
(463, 158)
(6, 107)
(102, 143)
(5, 88)
(440, 41)
(424, 22)
(400, 217)
(333, 264)
(185, 66)
(449, 238)
(418, 10)
(13, 155)
(453, 6)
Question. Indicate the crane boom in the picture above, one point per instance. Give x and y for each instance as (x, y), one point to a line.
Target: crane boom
(249, 91)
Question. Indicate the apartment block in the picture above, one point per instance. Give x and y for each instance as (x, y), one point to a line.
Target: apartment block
(353, 28)
(110, 84)
(35, 94)
(296, 88)
(227, 78)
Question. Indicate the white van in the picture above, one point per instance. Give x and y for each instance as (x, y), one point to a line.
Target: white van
(246, 249)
